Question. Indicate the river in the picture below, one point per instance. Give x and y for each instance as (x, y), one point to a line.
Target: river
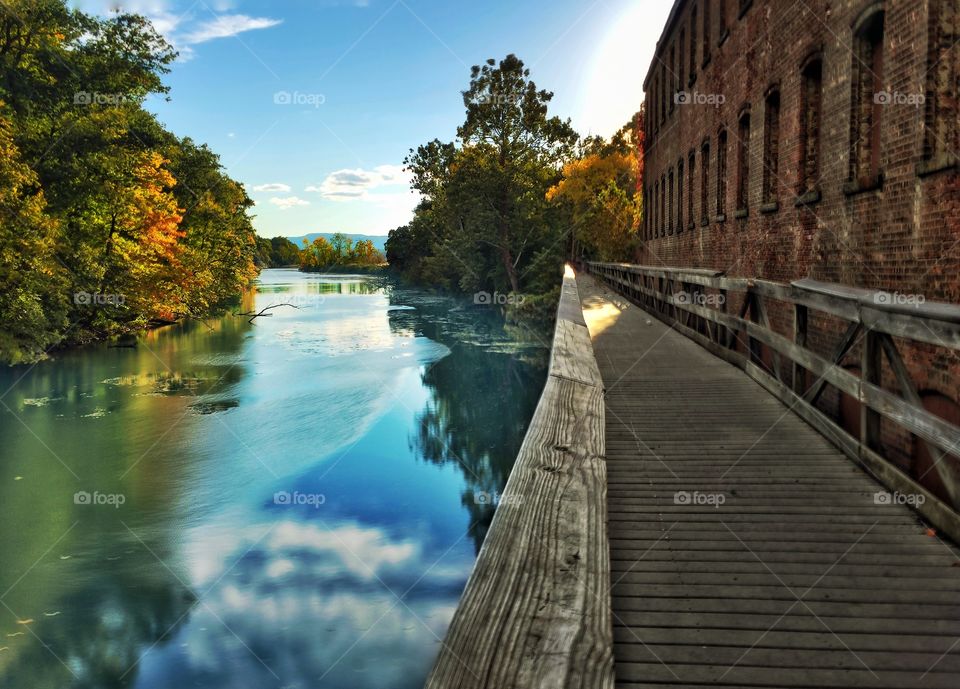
(295, 502)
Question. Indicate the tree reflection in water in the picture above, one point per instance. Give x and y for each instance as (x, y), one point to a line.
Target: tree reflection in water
(463, 423)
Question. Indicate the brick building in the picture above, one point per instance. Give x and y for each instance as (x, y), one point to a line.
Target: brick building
(812, 139)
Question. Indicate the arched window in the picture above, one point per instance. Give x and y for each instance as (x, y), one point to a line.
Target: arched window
(721, 173)
(670, 202)
(743, 162)
(693, 44)
(691, 161)
(771, 146)
(655, 209)
(680, 196)
(811, 109)
(941, 139)
(868, 99)
(674, 80)
(706, 32)
(704, 182)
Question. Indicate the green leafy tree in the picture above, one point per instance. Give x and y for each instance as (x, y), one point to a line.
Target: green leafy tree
(485, 217)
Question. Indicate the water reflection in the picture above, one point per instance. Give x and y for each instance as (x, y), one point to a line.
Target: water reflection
(203, 576)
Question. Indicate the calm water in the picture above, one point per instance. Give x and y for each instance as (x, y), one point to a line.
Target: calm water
(291, 503)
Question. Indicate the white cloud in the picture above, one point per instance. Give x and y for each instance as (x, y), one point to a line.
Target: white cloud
(286, 202)
(183, 29)
(273, 186)
(353, 184)
(225, 26)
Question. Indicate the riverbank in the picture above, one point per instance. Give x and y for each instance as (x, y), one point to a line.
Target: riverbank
(337, 269)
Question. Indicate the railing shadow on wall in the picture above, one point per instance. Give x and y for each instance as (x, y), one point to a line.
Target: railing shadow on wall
(731, 317)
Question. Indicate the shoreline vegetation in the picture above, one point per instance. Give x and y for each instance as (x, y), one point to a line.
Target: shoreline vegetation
(110, 224)
(514, 195)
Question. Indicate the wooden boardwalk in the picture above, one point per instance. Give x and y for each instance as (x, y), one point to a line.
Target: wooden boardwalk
(746, 550)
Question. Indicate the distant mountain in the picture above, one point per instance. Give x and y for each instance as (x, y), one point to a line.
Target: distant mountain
(378, 240)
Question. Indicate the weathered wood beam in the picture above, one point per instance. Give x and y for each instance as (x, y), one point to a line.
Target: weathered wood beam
(536, 609)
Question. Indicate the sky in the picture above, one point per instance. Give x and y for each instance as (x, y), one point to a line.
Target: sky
(313, 104)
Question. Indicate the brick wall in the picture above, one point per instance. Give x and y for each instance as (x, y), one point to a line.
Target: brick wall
(900, 234)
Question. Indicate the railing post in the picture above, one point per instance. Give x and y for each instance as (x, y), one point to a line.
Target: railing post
(800, 329)
(723, 335)
(870, 367)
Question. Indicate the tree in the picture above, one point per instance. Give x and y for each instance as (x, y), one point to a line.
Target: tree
(485, 217)
(101, 199)
(33, 285)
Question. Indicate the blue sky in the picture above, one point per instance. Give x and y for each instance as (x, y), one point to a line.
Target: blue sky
(313, 104)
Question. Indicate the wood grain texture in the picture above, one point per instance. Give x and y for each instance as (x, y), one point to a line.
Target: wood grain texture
(799, 578)
(536, 609)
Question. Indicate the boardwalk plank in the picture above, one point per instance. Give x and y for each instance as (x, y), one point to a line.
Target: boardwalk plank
(698, 589)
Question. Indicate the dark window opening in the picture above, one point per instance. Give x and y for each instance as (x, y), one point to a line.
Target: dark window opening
(704, 182)
(810, 125)
(722, 173)
(743, 162)
(771, 147)
(868, 101)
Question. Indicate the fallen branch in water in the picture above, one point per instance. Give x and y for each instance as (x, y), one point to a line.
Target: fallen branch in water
(263, 312)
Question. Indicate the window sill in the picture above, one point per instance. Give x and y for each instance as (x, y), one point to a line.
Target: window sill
(939, 163)
(741, 213)
(744, 7)
(720, 218)
(808, 198)
(704, 222)
(723, 37)
(770, 207)
(863, 184)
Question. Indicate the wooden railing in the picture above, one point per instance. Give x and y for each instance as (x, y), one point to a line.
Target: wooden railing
(697, 303)
(536, 609)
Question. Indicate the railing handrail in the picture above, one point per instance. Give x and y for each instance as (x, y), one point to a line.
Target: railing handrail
(536, 609)
(941, 312)
(866, 312)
